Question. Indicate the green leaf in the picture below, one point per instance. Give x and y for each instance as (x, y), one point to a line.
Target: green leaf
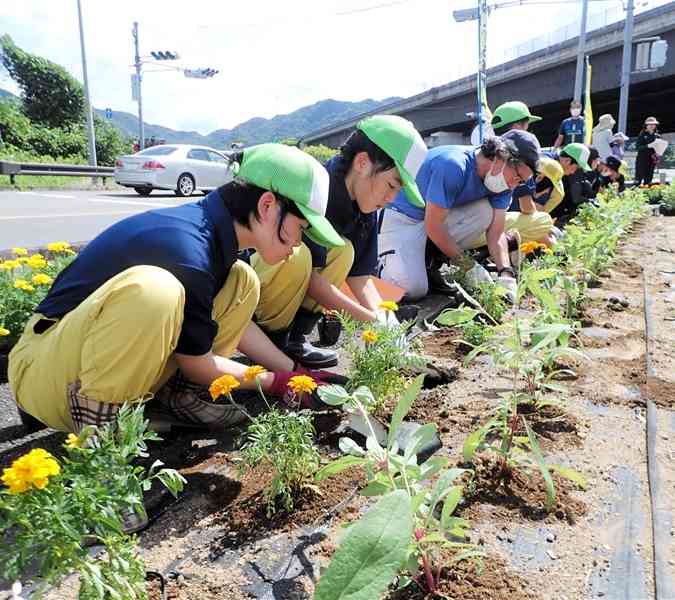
(456, 316)
(363, 395)
(422, 436)
(403, 406)
(372, 552)
(349, 446)
(337, 466)
(570, 474)
(539, 459)
(475, 439)
(333, 395)
(450, 504)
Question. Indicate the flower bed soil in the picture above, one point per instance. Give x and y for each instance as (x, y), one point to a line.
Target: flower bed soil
(489, 579)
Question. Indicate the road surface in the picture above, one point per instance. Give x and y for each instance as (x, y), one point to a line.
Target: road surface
(35, 218)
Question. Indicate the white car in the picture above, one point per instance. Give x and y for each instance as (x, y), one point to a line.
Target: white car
(177, 167)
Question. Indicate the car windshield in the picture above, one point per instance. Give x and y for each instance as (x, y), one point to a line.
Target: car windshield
(158, 151)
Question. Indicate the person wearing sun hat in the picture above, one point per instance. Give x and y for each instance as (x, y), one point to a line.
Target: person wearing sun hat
(646, 158)
(380, 158)
(158, 302)
(467, 191)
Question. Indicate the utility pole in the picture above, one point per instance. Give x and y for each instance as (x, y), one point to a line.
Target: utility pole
(481, 81)
(626, 66)
(137, 64)
(581, 51)
(90, 119)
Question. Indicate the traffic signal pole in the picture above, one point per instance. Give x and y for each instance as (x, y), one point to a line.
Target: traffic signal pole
(625, 67)
(137, 64)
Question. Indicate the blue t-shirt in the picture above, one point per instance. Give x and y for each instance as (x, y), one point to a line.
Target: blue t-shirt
(196, 242)
(448, 178)
(348, 220)
(572, 129)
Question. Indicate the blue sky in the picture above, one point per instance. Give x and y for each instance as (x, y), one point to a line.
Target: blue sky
(273, 57)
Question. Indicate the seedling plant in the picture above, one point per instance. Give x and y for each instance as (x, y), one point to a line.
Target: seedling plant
(425, 536)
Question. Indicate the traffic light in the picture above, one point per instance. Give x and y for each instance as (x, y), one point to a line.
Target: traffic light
(200, 73)
(165, 55)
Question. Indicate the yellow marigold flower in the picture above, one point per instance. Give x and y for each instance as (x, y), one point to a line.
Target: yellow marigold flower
(223, 386)
(36, 261)
(369, 336)
(42, 279)
(30, 470)
(60, 247)
(72, 441)
(302, 383)
(251, 374)
(389, 306)
(10, 265)
(22, 284)
(4, 331)
(19, 251)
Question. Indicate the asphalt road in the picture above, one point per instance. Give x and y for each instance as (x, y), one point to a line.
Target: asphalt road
(35, 218)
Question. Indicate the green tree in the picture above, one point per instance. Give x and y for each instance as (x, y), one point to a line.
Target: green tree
(51, 96)
(322, 153)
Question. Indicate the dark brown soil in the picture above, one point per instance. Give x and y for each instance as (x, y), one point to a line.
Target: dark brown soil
(207, 588)
(488, 579)
(523, 493)
(446, 344)
(555, 427)
(245, 520)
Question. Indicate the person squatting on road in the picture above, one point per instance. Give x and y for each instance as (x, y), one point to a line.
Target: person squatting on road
(467, 193)
(158, 302)
(379, 160)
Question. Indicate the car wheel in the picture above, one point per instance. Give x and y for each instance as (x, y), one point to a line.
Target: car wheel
(143, 191)
(185, 185)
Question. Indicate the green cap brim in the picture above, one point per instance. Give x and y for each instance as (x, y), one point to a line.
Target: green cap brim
(320, 230)
(534, 119)
(410, 187)
(584, 165)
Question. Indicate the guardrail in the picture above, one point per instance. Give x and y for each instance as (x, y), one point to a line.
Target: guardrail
(13, 169)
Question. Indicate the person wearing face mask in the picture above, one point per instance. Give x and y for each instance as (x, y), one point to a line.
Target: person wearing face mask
(573, 129)
(379, 160)
(646, 155)
(467, 193)
(158, 302)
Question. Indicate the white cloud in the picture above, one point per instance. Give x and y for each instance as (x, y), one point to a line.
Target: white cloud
(273, 57)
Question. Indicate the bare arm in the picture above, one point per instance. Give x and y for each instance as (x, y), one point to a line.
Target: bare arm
(207, 367)
(496, 240)
(527, 205)
(366, 292)
(260, 349)
(558, 141)
(331, 297)
(434, 223)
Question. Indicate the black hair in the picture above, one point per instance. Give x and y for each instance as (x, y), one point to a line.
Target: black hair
(241, 200)
(503, 149)
(360, 142)
(563, 153)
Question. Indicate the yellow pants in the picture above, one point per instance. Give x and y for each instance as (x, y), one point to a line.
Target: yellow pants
(532, 228)
(118, 343)
(283, 287)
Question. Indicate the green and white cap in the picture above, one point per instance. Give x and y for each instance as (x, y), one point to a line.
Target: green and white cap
(580, 153)
(512, 112)
(404, 145)
(289, 171)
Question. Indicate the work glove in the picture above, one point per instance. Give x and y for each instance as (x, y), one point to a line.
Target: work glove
(507, 280)
(301, 399)
(477, 274)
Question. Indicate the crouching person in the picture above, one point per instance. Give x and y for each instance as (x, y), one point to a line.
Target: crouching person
(379, 160)
(158, 302)
(467, 193)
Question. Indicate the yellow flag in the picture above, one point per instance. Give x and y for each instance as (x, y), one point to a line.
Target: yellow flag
(588, 109)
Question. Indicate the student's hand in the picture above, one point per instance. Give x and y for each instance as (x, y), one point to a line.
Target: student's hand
(299, 400)
(507, 280)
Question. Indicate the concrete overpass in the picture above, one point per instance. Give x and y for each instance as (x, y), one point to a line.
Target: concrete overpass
(545, 81)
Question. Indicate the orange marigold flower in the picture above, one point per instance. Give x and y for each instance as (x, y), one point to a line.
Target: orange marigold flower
(302, 383)
(30, 470)
(251, 374)
(223, 386)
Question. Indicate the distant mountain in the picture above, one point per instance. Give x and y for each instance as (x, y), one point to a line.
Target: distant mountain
(256, 130)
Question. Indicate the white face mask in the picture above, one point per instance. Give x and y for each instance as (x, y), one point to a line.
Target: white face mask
(575, 112)
(496, 183)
